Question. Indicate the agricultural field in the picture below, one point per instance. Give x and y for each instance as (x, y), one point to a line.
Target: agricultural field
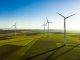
(39, 46)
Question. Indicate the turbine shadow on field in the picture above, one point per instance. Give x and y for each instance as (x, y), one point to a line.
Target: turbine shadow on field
(6, 50)
(29, 58)
(52, 54)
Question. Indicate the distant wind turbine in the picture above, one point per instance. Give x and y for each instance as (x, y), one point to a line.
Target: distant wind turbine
(15, 28)
(65, 25)
(44, 24)
(48, 24)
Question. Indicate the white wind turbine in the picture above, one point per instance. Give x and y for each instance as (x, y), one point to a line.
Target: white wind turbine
(44, 24)
(48, 24)
(65, 25)
(15, 28)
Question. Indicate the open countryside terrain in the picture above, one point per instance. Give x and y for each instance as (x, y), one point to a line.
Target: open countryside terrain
(38, 46)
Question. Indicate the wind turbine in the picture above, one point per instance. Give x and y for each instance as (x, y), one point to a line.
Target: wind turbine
(44, 26)
(15, 28)
(48, 24)
(65, 25)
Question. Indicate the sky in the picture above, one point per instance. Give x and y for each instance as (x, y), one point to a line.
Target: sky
(31, 14)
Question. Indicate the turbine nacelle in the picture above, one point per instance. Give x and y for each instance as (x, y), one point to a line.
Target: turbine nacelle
(48, 21)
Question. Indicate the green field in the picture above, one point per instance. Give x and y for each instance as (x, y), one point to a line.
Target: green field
(41, 46)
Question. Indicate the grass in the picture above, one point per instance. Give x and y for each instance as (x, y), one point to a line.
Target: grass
(23, 41)
(40, 47)
(47, 43)
(6, 50)
(19, 53)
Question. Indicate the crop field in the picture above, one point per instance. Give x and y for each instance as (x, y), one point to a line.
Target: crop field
(39, 46)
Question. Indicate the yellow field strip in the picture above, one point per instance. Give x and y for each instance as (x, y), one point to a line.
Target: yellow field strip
(19, 53)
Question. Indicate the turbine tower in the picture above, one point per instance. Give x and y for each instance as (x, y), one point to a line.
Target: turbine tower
(15, 28)
(65, 25)
(44, 26)
(48, 24)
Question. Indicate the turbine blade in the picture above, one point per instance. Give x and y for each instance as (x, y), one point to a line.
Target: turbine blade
(13, 25)
(47, 19)
(70, 16)
(60, 15)
(50, 22)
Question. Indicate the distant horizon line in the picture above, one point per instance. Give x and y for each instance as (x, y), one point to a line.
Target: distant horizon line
(40, 29)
